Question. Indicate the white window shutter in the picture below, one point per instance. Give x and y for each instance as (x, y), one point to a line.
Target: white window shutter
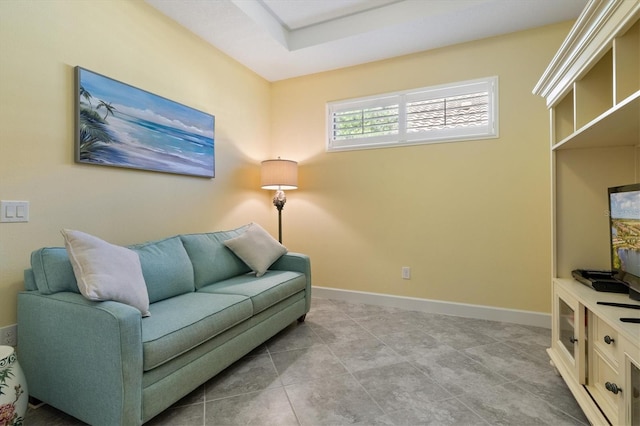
(453, 112)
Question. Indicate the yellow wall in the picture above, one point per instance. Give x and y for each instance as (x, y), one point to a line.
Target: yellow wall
(471, 219)
(40, 44)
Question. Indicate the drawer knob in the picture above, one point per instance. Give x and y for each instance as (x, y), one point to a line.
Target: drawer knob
(608, 339)
(612, 387)
(573, 339)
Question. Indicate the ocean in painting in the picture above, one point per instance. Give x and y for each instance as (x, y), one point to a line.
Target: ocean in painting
(120, 125)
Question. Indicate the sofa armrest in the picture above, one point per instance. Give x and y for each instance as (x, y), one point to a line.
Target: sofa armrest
(297, 262)
(82, 357)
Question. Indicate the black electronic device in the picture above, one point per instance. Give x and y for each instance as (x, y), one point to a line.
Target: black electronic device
(600, 280)
(620, 305)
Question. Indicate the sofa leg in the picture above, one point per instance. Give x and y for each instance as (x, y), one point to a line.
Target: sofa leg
(35, 402)
(301, 319)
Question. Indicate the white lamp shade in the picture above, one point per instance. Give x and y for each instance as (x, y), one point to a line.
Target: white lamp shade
(279, 174)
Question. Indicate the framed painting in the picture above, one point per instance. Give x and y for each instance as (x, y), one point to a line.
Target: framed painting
(123, 126)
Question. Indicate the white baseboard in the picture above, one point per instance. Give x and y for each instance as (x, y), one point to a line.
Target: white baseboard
(537, 319)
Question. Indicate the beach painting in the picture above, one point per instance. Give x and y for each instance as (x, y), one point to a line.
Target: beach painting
(123, 126)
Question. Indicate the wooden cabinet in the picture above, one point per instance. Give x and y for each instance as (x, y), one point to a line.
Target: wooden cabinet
(596, 354)
(592, 90)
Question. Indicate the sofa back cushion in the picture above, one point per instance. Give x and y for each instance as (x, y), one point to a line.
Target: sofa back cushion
(212, 260)
(52, 270)
(166, 268)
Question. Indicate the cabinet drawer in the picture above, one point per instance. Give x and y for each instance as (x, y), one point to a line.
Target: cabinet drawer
(602, 380)
(606, 340)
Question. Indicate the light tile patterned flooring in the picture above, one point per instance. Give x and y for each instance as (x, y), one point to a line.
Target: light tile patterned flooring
(369, 365)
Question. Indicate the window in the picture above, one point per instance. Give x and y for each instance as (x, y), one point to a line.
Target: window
(465, 110)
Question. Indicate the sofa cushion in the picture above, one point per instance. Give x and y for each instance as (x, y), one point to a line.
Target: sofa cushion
(264, 291)
(105, 271)
(166, 268)
(53, 271)
(256, 248)
(212, 260)
(183, 322)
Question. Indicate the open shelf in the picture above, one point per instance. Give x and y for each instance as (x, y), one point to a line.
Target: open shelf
(601, 107)
(627, 62)
(594, 92)
(563, 118)
(618, 126)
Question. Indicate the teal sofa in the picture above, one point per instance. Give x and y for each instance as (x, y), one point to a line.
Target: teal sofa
(105, 364)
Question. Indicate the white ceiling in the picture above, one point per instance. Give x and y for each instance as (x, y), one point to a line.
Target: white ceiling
(280, 39)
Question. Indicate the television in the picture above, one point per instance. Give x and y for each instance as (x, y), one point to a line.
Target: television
(624, 225)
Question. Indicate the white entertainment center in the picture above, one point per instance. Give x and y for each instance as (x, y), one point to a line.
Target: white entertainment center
(592, 89)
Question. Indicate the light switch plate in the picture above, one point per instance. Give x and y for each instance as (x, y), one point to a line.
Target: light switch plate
(14, 211)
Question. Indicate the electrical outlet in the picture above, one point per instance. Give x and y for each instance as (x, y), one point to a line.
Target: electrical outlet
(9, 335)
(406, 273)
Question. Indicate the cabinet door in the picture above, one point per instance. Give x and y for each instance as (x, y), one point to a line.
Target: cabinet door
(631, 407)
(569, 333)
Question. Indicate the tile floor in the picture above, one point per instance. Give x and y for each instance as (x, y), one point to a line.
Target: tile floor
(369, 365)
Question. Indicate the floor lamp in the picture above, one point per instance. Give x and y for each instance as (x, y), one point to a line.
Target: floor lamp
(279, 175)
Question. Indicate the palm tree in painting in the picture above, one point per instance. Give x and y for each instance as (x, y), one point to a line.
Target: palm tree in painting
(109, 109)
(93, 127)
(85, 94)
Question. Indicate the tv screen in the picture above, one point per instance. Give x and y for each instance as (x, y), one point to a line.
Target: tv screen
(624, 217)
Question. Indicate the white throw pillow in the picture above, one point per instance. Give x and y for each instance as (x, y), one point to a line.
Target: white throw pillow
(105, 271)
(256, 248)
